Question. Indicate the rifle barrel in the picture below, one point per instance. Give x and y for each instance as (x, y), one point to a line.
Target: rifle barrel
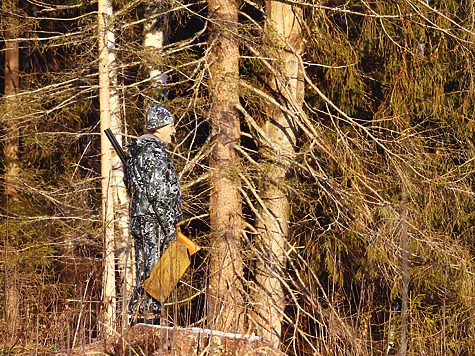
(115, 144)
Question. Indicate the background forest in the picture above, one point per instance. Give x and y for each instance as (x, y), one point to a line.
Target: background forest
(325, 152)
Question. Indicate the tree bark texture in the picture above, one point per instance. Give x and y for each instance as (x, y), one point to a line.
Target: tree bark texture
(12, 81)
(273, 224)
(225, 298)
(11, 25)
(154, 40)
(123, 242)
(109, 297)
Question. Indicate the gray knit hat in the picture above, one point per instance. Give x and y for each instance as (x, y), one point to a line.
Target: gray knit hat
(157, 116)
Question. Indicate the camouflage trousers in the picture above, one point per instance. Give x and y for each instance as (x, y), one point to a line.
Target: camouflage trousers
(149, 246)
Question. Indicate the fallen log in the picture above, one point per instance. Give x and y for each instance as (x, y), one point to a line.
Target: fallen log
(143, 339)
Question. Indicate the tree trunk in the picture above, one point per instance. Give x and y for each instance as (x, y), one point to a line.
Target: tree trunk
(105, 43)
(123, 242)
(154, 40)
(273, 224)
(12, 80)
(11, 147)
(225, 298)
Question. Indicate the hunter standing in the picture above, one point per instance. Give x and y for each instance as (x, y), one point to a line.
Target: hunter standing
(155, 195)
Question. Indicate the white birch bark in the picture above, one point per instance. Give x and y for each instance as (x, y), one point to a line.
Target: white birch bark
(109, 297)
(123, 242)
(154, 40)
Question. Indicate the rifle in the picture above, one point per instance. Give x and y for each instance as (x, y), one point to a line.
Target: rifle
(115, 144)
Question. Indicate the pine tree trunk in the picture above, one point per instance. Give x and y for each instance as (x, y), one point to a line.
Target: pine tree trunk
(273, 224)
(11, 147)
(12, 80)
(109, 298)
(225, 301)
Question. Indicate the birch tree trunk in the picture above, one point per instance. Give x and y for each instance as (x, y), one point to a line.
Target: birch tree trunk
(225, 297)
(123, 242)
(154, 40)
(105, 45)
(273, 224)
(11, 147)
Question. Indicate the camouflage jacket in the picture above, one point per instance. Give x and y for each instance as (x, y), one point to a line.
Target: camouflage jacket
(152, 183)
